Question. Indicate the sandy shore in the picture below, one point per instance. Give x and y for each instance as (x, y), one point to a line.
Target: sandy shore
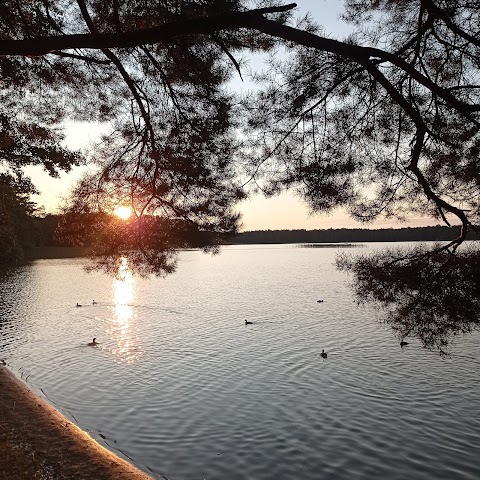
(39, 443)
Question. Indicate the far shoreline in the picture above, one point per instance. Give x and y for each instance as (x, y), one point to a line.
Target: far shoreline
(334, 238)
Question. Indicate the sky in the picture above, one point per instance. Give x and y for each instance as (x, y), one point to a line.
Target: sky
(285, 211)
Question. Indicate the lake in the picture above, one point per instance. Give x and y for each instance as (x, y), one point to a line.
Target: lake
(181, 387)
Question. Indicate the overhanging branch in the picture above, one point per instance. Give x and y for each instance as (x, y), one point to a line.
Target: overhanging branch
(253, 20)
(38, 46)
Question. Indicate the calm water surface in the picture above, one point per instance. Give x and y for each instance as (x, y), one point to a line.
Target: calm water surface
(185, 390)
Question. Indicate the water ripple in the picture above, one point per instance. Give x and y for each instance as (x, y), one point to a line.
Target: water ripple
(179, 383)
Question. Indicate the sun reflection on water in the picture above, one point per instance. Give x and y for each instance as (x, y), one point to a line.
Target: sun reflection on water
(124, 331)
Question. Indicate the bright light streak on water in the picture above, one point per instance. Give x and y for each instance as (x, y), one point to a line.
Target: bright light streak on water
(124, 323)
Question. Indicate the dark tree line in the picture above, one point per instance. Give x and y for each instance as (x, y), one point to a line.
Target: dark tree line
(16, 213)
(47, 232)
(341, 235)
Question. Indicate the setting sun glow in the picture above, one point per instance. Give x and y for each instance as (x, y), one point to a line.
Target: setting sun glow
(123, 212)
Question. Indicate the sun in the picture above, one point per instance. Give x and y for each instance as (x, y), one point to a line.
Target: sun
(123, 212)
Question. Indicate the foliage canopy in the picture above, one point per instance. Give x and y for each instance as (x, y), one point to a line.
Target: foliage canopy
(384, 122)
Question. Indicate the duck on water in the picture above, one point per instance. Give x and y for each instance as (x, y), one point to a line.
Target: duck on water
(94, 343)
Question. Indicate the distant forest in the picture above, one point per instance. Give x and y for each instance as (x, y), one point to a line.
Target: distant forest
(39, 236)
(349, 235)
(43, 234)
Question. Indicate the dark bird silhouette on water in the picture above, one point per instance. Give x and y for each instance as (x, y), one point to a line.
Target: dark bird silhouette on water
(94, 302)
(248, 323)
(319, 301)
(323, 354)
(93, 344)
(402, 343)
(78, 305)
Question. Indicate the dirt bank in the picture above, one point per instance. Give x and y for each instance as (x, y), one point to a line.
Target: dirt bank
(39, 443)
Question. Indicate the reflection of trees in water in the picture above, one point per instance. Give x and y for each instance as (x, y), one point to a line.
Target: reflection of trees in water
(432, 295)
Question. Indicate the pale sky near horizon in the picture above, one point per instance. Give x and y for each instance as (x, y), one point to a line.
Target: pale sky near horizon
(283, 212)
